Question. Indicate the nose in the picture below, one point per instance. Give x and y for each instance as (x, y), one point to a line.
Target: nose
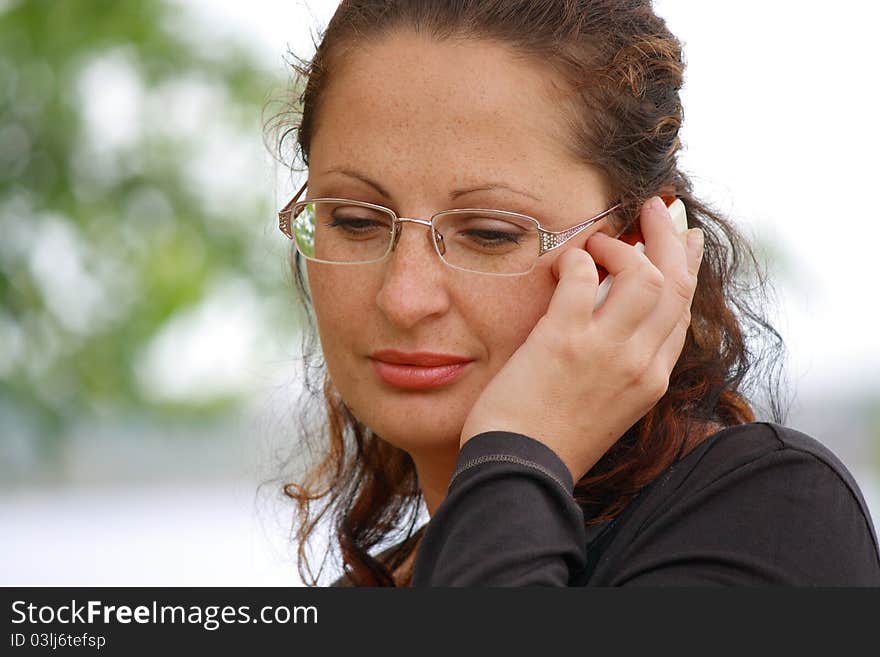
(414, 285)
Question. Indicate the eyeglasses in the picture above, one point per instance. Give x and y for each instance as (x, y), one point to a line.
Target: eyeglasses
(496, 242)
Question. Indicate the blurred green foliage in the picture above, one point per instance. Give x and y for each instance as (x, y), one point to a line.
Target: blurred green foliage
(128, 191)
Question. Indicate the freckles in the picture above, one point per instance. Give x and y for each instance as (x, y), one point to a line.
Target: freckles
(508, 311)
(341, 306)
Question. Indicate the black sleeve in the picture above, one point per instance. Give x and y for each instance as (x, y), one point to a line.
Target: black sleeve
(509, 519)
(786, 518)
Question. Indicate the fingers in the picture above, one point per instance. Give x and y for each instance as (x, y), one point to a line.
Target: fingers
(652, 290)
(679, 262)
(664, 246)
(667, 250)
(572, 301)
(670, 350)
(636, 287)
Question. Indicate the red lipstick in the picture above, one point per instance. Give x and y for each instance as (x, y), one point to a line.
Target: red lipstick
(421, 370)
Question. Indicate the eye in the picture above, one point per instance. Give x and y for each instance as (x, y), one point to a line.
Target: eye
(488, 234)
(358, 222)
(356, 225)
(488, 237)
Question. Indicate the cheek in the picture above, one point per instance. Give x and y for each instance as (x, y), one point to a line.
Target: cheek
(503, 319)
(336, 309)
(488, 321)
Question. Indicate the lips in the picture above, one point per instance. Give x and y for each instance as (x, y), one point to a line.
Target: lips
(417, 358)
(417, 370)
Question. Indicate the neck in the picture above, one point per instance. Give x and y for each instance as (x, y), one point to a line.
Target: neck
(434, 469)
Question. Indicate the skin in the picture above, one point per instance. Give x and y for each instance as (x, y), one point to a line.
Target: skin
(426, 119)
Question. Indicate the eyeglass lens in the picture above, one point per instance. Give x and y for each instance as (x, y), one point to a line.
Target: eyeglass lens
(484, 241)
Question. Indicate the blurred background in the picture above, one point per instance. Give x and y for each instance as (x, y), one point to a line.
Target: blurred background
(149, 331)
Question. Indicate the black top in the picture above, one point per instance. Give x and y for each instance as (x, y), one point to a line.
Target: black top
(754, 505)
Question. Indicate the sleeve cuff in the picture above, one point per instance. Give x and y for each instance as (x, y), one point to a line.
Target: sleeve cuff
(509, 447)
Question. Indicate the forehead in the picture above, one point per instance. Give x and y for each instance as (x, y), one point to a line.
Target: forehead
(426, 110)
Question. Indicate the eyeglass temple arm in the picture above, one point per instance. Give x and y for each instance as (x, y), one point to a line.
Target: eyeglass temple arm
(284, 217)
(554, 239)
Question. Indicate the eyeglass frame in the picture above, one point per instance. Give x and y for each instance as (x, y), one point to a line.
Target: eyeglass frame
(549, 240)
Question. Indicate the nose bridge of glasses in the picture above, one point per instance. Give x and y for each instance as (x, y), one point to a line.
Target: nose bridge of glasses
(412, 220)
(403, 220)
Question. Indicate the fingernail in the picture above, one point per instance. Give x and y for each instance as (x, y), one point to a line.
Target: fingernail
(695, 239)
(656, 203)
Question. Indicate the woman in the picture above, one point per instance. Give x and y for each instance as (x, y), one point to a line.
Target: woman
(554, 439)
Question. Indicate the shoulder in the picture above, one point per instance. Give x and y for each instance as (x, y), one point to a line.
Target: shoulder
(754, 503)
(778, 466)
(756, 445)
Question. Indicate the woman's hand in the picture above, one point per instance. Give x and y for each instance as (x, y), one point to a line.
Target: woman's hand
(582, 378)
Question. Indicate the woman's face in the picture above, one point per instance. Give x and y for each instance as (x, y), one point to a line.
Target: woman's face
(437, 125)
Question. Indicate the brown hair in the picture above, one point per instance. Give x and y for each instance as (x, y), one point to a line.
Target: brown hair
(624, 69)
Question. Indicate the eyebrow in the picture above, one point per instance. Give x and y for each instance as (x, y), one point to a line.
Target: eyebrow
(454, 195)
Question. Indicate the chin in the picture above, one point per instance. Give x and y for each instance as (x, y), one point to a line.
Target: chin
(425, 443)
(414, 431)
(412, 421)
